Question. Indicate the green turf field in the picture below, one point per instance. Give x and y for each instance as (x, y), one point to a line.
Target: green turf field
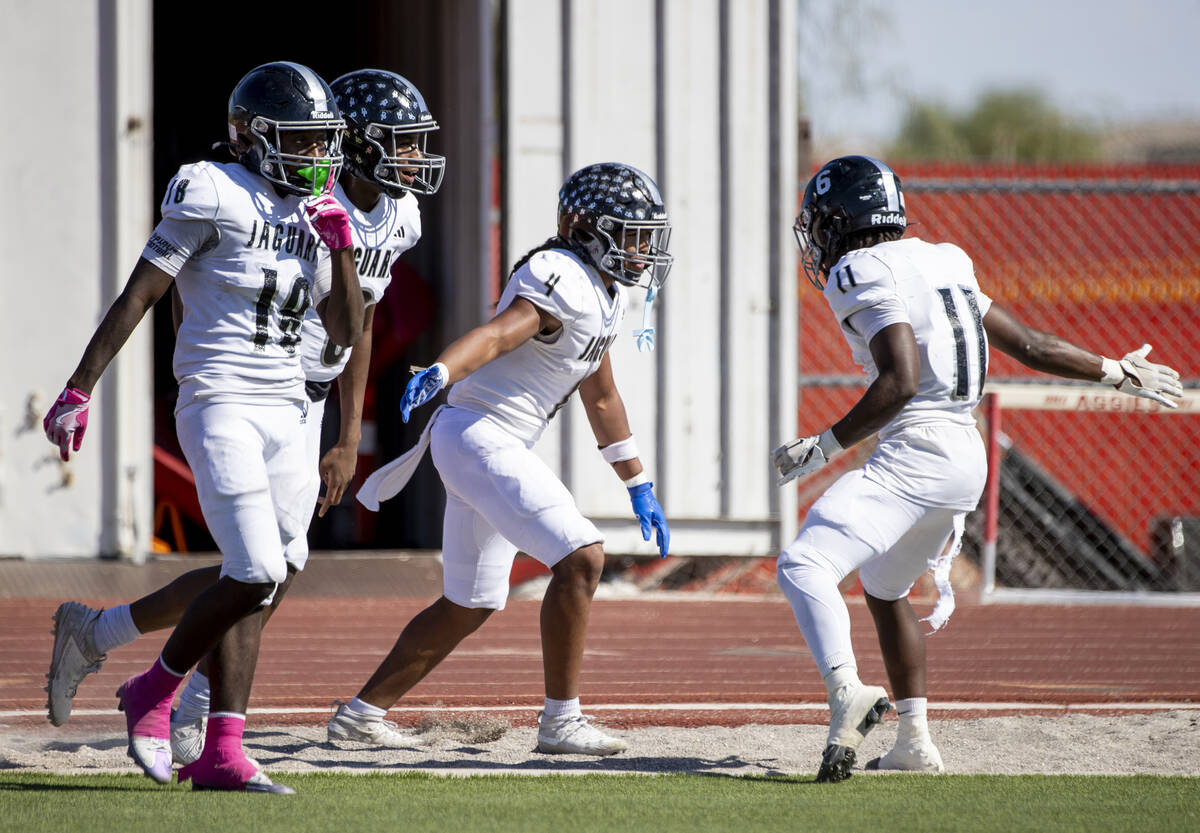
(575, 804)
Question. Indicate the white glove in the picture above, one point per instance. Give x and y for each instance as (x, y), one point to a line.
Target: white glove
(804, 455)
(1144, 378)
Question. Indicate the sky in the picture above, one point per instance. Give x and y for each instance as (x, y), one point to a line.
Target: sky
(1108, 62)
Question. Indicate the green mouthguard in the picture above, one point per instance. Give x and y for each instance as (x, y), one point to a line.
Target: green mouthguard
(318, 175)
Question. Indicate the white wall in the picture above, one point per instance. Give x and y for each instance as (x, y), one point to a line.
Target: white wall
(644, 84)
(73, 221)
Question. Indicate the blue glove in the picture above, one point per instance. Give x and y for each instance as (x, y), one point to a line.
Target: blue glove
(649, 513)
(423, 387)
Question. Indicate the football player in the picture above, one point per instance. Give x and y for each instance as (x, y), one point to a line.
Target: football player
(919, 324)
(560, 311)
(250, 245)
(386, 164)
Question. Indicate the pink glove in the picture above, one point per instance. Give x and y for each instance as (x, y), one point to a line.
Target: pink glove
(67, 420)
(330, 220)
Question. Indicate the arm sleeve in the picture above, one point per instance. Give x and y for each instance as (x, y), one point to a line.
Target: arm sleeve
(175, 241)
(861, 283)
(187, 229)
(551, 281)
(868, 321)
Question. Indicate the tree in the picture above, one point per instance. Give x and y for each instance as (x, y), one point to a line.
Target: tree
(1003, 126)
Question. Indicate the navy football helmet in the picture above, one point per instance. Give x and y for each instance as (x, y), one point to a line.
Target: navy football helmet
(386, 120)
(848, 194)
(617, 214)
(268, 106)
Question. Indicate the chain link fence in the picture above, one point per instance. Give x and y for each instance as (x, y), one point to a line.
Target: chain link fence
(1093, 493)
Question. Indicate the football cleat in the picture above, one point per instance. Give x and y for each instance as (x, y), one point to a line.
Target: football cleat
(148, 725)
(346, 725)
(855, 709)
(574, 734)
(230, 773)
(187, 738)
(911, 755)
(73, 658)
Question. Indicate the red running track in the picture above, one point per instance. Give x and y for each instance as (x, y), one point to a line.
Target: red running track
(662, 652)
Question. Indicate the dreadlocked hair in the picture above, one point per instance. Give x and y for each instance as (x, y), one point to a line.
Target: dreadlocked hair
(555, 242)
(864, 239)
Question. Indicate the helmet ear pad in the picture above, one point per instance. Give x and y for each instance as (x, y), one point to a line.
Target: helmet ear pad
(828, 232)
(579, 228)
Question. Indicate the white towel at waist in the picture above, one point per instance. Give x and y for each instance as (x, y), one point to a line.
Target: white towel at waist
(387, 481)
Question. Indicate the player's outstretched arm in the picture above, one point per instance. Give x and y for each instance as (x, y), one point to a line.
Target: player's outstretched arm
(1133, 374)
(66, 420)
(1037, 350)
(606, 414)
(512, 327)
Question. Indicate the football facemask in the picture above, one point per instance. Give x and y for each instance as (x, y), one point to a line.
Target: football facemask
(642, 257)
(404, 163)
(299, 173)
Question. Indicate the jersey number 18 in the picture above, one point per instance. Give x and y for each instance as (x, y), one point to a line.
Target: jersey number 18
(291, 312)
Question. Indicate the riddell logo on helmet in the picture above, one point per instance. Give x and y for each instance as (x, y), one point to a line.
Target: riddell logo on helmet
(889, 218)
(321, 114)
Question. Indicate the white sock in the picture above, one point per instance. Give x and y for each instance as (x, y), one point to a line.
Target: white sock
(811, 588)
(365, 709)
(912, 714)
(562, 708)
(234, 715)
(194, 701)
(115, 628)
(162, 662)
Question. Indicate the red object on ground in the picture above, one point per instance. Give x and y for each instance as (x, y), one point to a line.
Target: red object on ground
(174, 483)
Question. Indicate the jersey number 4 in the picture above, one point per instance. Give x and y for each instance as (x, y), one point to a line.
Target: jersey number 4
(291, 312)
(968, 332)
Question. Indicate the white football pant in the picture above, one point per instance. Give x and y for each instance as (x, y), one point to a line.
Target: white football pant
(500, 498)
(252, 473)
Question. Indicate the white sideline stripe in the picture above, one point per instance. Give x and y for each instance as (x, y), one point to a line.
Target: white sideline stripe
(692, 707)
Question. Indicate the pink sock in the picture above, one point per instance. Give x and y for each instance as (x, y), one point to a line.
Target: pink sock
(160, 682)
(146, 700)
(222, 764)
(224, 735)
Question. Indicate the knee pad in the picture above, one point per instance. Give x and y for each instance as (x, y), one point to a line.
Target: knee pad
(809, 561)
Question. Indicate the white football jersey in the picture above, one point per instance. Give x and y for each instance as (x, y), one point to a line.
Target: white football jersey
(247, 264)
(933, 288)
(524, 388)
(380, 236)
